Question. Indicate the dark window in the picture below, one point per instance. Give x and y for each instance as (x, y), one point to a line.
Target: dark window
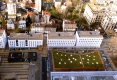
(26, 42)
(16, 42)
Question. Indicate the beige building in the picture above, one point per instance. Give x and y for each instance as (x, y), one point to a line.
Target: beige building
(94, 13)
(106, 15)
(38, 5)
(42, 28)
(57, 4)
(109, 21)
(69, 26)
(11, 8)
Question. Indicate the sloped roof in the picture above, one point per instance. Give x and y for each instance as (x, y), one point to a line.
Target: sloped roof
(10, 21)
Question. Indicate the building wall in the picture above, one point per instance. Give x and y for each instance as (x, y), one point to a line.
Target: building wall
(69, 27)
(61, 43)
(11, 7)
(3, 40)
(46, 19)
(88, 42)
(38, 5)
(37, 29)
(93, 16)
(88, 14)
(10, 26)
(22, 24)
(109, 22)
(23, 44)
(57, 5)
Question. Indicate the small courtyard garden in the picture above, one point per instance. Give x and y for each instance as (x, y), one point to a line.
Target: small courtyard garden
(67, 60)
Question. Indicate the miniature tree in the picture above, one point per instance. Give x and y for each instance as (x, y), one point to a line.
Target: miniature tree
(28, 21)
(19, 30)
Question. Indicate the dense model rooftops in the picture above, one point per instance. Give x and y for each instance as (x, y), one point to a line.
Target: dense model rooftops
(23, 36)
(61, 35)
(89, 34)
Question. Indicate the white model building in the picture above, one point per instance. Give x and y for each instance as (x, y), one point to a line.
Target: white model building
(42, 28)
(109, 21)
(61, 39)
(57, 4)
(37, 28)
(3, 39)
(106, 15)
(69, 26)
(10, 24)
(22, 24)
(46, 17)
(36, 18)
(25, 40)
(94, 13)
(11, 8)
(38, 5)
(88, 39)
(63, 8)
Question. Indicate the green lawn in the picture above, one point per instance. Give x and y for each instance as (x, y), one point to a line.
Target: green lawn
(92, 60)
(64, 60)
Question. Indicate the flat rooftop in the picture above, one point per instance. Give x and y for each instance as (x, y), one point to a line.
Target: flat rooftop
(23, 36)
(44, 25)
(89, 34)
(61, 35)
(96, 7)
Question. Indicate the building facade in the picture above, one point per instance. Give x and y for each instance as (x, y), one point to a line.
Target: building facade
(22, 24)
(88, 39)
(94, 13)
(103, 13)
(3, 39)
(69, 26)
(109, 21)
(46, 17)
(37, 28)
(61, 39)
(57, 4)
(42, 28)
(38, 5)
(10, 24)
(24, 40)
(36, 18)
(11, 9)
